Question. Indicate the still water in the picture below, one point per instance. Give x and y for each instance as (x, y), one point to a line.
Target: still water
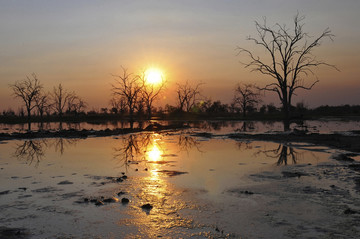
(196, 188)
(325, 126)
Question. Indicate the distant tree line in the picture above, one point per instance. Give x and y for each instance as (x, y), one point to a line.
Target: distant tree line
(133, 99)
(38, 102)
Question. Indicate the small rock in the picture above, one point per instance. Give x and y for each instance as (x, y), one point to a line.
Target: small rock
(293, 174)
(344, 157)
(136, 169)
(120, 193)
(349, 211)
(111, 200)
(147, 206)
(99, 203)
(4, 192)
(125, 201)
(65, 182)
(23, 188)
(247, 192)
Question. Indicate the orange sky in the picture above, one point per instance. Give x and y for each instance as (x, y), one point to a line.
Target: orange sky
(81, 44)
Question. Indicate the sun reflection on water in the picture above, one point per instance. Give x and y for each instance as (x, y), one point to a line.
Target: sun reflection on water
(155, 153)
(156, 190)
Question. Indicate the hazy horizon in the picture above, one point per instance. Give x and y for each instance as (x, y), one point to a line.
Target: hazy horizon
(80, 44)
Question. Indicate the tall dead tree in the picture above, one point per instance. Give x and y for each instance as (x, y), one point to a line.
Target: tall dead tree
(289, 60)
(246, 96)
(129, 87)
(27, 90)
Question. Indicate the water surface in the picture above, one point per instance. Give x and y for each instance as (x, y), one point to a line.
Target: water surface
(197, 187)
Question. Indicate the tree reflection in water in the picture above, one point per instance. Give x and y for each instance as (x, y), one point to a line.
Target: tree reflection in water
(149, 148)
(187, 142)
(244, 144)
(30, 151)
(33, 151)
(133, 148)
(154, 188)
(284, 153)
(247, 126)
(60, 144)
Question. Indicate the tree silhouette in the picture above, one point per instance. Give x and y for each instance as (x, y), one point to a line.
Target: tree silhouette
(291, 59)
(27, 90)
(61, 99)
(187, 96)
(42, 104)
(246, 96)
(128, 87)
(150, 92)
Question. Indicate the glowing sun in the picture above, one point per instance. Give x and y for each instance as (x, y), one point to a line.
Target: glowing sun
(153, 76)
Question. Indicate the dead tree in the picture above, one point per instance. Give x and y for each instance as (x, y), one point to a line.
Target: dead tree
(75, 104)
(289, 60)
(118, 105)
(246, 96)
(150, 92)
(187, 96)
(42, 103)
(60, 99)
(129, 87)
(27, 90)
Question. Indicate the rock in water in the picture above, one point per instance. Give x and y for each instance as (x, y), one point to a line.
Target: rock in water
(125, 201)
(111, 200)
(147, 206)
(99, 203)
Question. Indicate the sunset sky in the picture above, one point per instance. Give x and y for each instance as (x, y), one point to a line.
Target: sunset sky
(81, 43)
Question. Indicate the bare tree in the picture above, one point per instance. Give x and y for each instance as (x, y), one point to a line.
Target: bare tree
(246, 96)
(129, 87)
(27, 90)
(118, 105)
(187, 95)
(150, 92)
(75, 104)
(291, 59)
(42, 103)
(61, 99)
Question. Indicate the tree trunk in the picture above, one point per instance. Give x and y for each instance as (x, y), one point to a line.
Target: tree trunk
(149, 112)
(29, 118)
(286, 112)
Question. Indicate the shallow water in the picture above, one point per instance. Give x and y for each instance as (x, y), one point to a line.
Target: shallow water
(198, 187)
(324, 126)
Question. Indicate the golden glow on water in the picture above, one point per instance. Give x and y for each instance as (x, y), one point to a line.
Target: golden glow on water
(215, 170)
(154, 154)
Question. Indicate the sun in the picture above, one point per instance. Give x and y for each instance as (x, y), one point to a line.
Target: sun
(153, 76)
